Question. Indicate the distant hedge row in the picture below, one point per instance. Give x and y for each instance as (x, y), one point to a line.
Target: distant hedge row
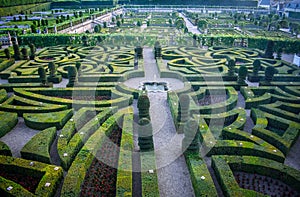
(7, 3)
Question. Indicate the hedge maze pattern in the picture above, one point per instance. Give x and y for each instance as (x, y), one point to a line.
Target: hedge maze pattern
(244, 128)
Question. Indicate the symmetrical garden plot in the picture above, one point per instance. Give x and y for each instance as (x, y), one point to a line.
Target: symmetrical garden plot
(274, 112)
(87, 129)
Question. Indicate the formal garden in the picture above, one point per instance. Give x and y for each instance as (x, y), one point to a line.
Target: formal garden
(140, 106)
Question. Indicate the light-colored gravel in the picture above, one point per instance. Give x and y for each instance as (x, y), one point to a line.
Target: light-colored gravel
(18, 137)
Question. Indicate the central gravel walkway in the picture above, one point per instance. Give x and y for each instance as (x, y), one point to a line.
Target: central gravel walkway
(173, 175)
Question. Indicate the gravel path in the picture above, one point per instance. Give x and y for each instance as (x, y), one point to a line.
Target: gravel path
(18, 137)
(173, 175)
(192, 28)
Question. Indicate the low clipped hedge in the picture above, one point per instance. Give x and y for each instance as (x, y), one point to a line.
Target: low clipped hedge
(233, 147)
(45, 120)
(8, 122)
(5, 74)
(202, 182)
(3, 95)
(77, 131)
(4, 149)
(44, 172)
(6, 63)
(149, 179)
(38, 148)
(224, 165)
(83, 160)
(227, 180)
(9, 87)
(21, 105)
(48, 95)
(223, 106)
(283, 142)
(124, 176)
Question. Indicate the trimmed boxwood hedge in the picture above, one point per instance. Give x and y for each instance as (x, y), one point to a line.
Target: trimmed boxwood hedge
(124, 176)
(21, 105)
(233, 147)
(3, 95)
(8, 122)
(202, 182)
(42, 121)
(224, 165)
(44, 172)
(78, 130)
(6, 63)
(38, 148)
(5, 74)
(48, 95)
(83, 160)
(283, 142)
(149, 180)
(4, 149)
(227, 180)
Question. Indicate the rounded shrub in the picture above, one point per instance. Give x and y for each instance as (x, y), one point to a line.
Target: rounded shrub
(145, 135)
(143, 106)
(72, 75)
(256, 66)
(42, 74)
(269, 73)
(231, 66)
(243, 71)
(52, 69)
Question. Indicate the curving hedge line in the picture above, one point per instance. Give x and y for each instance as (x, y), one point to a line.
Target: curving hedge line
(200, 176)
(4, 149)
(48, 95)
(6, 64)
(280, 132)
(223, 106)
(21, 105)
(224, 165)
(3, 95)
(78, 130)
(38, 148)
(42, 121)
(5, 74)
(44, 172)
(8, 122)
(83, 160)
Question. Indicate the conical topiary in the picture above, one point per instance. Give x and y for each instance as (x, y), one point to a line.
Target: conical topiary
(24, 53)
(32, 51)
(190, 141)
(231, 66)
(145, 135)
(139, 52)
(183, 108)
(256, 66)
(17, 54)
(52, 69)
(243, 71)
(143, 106)
(269, 73)
(42, 74)
(72, 75)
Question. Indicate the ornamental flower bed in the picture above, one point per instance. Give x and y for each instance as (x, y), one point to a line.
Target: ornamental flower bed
(263, 184)
(28, 182)
(101, 177)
